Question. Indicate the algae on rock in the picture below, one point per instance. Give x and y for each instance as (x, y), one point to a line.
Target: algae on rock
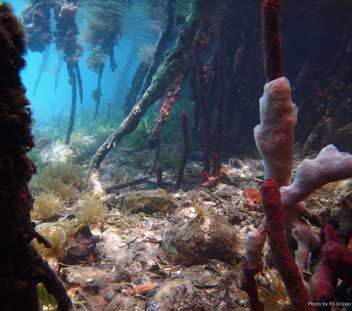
(147, 201)
(207, 236)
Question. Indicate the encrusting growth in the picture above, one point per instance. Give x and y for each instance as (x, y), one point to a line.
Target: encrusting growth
(36, 20)
(284, 261)
(22, 268)
(273, 62)
(171, 99)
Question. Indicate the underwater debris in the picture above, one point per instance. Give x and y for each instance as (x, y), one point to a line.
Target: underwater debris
(272, 291)
(191, 297)
(253, 194)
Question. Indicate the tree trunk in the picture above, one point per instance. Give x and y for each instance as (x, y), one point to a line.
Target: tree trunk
(21, 267)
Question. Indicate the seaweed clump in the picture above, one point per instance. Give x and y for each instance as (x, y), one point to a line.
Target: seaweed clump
(90, 210)
(60, 179)
(47, 205)
(57, 237)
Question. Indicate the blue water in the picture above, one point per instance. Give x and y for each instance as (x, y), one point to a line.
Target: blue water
(48, 104)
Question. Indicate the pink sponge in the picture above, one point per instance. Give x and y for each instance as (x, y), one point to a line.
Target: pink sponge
(274, 135)
(330, 165)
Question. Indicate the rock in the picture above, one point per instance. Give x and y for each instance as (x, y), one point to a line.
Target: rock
(197, 288)
(124, 303)
(235, 163)
(194, 170)
(147, 201)
(82, 275)
(342, 192)
(225, 191)
(111, 244)
(342, 137)
(137, 263)
(342, 217)
(176, 295)
(207, 236)
(81, 248)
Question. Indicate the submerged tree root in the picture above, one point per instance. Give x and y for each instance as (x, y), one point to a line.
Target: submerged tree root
(21, 267)
(164, 39)
(174, 64)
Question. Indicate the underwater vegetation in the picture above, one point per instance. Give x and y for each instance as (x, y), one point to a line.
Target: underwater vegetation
(156, 193)
(57, 237)
(89, 136)
(89, 210)
(46, 205)
(60, 179)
